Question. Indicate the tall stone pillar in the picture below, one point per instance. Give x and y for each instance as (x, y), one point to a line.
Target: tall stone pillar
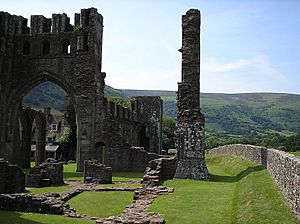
(190, 121)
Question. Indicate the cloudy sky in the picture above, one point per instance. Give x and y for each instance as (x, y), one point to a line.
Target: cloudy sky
(246, 46)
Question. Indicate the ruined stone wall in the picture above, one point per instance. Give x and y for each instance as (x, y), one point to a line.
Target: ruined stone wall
(190, 133)
(134, 159)
(48, 173)
(283, 167)
(12, 178)
(32, 203)
(95, 172)
(159, 170)
(52, 49)
(124, 130)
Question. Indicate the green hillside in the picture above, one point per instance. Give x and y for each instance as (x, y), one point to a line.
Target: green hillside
(242, 114)
(50, 94)
(235, 114)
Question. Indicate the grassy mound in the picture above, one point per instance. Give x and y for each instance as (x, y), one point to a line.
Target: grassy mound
(239, 192)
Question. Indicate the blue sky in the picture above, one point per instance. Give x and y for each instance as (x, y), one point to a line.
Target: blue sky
(246, 45)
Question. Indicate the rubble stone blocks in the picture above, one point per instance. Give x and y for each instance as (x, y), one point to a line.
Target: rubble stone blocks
(12, 178)
(32, 203)
(159, 170)
(95, 172)
(48, 173)
(283, 167)
(189, 135)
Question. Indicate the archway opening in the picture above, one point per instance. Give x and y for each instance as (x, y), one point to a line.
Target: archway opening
(58, 111)
(66, 48)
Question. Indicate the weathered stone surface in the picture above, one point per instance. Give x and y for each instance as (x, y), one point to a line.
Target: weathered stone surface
(158, 171)
(32, 203)
(189, 135)
(96, 172)
(283, 167)
(12, 178)
(48, 173)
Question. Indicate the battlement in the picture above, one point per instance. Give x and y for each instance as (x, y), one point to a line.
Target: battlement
(15, 25)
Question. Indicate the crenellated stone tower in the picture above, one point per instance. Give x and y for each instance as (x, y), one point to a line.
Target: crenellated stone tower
(190, 121)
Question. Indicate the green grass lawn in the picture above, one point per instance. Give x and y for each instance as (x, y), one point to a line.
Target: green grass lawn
(70, 172)
(42, 190)
(127, 176)
(8, 217)
(101, 204)
(239, 192)
(297, 153)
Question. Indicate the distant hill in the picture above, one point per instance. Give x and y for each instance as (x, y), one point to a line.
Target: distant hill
(241, 114)
(49, 93)
(236, 114)
(135, 92)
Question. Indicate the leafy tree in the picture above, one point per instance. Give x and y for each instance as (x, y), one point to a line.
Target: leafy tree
(120, 101)
(169, 126)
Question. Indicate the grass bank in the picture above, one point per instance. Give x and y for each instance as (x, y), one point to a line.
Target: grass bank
(239, 192)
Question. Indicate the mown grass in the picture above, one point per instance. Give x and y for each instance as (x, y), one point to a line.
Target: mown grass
(127, 176)
(239, 192)
(8, 217)
(70, 172)
(101, 204)
(42, 190)
(297, 153)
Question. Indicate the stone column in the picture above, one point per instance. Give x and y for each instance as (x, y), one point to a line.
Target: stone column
(190, 122)
(40, 138)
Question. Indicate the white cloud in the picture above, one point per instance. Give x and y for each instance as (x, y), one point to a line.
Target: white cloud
(212, 66)
(241, 75)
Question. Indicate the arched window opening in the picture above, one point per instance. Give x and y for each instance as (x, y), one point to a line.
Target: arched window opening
(26, 48)
(46, 48)
(66, 47)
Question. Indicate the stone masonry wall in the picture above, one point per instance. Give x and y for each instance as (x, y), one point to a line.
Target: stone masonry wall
(48, 173)
(283, 167)
(255, 154)
(32, 203)
(95, 172)
(134, 159)
(12, 178)
(159, 170)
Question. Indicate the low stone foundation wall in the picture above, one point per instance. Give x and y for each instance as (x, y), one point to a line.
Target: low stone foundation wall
(95, 172)
(283, 167)
(32, 203)
(12, 178)
(48, 173)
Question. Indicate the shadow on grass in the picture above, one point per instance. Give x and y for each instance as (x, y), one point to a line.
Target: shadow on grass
(241, 175)
(14, 218)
